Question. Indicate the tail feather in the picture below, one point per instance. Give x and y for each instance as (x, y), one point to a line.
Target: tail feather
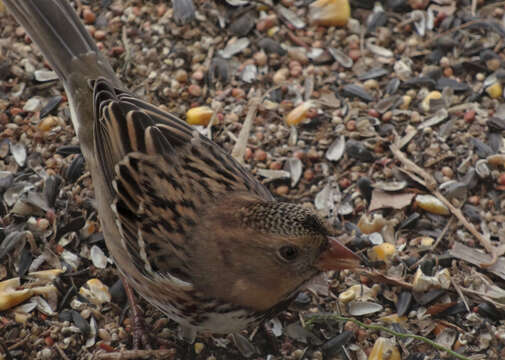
(62, 38)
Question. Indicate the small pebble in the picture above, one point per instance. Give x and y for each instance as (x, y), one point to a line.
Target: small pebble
(448, 172)
(181, 76)
(260, 155)
(266, 23)
(344, 183)
(387, 116)
(88, 16)
(280, 76)
(308, 174)
(260, 58)
(100, 34)
(448, 72)
(238, 93)
(195, 90)
(198, 75)
(354, 54)
(275, 165)
(282, 190)
(350, 125)
(501, 179)
(373, 113)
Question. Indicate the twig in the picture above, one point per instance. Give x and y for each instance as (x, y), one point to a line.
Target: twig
(213, 120)
(492, 5)
(61, 352)
(128, 51)
(482, 296)
(241, 145)
(450, 31)
(86, 175)
(414, 171)
(137, 354)
(335, 317)
(292, 36)
(442, 234)
(461, 295)
(378, 277)
(19, 343)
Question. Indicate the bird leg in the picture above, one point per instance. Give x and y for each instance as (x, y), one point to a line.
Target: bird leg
(271, 337)
(140, 337)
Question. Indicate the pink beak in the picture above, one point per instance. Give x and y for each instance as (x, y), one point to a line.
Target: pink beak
(337, 257)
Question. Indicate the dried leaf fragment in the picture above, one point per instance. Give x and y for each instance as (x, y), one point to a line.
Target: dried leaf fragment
(382, 199)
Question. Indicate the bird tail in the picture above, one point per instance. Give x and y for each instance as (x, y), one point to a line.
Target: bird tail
(65, 43)
(62, 38)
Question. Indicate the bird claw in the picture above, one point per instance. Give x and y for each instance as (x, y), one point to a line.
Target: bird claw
(141, 339)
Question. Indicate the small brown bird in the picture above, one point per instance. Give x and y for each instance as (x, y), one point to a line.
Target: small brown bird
(188, 227)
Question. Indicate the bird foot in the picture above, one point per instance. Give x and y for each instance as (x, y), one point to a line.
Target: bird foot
(140, 337)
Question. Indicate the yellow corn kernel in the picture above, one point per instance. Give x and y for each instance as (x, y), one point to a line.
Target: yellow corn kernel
(393, 319)
(431, 204)
(13, 293)
(261, 7)
(361, 292)
(9, 297)
(199, 347)
(426, 241)
(382, 252)
(444, 278)
(299, 113)
(48, 123)
(384, 349)
(433, 95)
(330, 12)
(406, 100)
(371, 223)
(95, 291)
(495, 90)
(347, 295)
(20, 318)
(45, 276)
(200, 115)
(272, 31)
(421, 282)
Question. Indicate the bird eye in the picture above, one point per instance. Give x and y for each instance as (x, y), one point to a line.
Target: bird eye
(288, 253)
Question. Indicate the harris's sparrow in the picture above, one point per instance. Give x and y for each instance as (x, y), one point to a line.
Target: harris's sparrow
(189, 228)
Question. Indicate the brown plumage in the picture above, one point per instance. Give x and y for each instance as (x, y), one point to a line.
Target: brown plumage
(189, 228)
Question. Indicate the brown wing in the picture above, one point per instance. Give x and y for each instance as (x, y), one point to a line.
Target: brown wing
(161, 172)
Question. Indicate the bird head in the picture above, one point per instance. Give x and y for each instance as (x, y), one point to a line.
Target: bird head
(257, 253)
